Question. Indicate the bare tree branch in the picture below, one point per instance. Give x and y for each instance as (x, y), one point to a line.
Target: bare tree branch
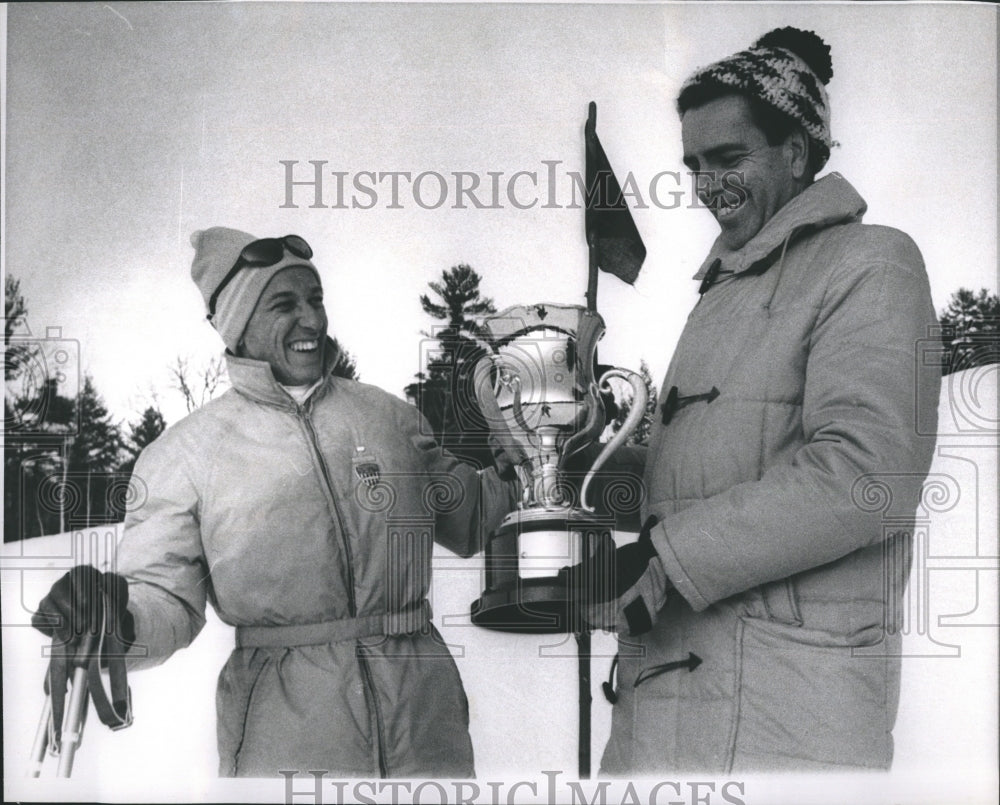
(180, 373)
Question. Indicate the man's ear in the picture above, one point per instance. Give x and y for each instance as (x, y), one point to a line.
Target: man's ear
(797, 147)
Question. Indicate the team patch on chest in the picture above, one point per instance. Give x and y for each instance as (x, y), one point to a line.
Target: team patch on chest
(366, 466)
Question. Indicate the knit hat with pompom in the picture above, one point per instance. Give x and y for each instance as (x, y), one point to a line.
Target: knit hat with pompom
(786, 69)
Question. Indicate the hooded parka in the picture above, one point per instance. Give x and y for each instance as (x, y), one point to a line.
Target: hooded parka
(785, 473)
(310, 528)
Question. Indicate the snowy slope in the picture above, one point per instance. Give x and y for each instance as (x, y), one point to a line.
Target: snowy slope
(522, 689)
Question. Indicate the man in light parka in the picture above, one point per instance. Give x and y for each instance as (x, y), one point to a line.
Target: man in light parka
(791, 396)
(304, 507)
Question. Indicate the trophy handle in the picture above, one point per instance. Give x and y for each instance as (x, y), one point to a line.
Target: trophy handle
(639, 399)
(590, 330)
(591, 429)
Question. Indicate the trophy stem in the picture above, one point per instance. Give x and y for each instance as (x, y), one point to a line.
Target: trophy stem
(549, 493)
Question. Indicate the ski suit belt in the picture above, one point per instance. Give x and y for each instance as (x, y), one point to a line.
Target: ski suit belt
(407, 621)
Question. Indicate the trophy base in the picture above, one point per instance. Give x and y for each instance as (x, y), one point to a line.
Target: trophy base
(534, 609)
(523, 558)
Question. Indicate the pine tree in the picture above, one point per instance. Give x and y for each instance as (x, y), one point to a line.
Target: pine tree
(98, 445)
(38, 424)
(95, 453)
(16, 352)
(22, 386)
(445, 394)
(124, 488)
(463, 301)
(970, 330)
(142, 433)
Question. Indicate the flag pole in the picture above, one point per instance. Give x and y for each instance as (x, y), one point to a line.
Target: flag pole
(592, 278)
(590, 132)
(613, 245)
(583, 635)
(585, 699)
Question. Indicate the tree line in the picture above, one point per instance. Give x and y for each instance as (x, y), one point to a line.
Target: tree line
(68, 464)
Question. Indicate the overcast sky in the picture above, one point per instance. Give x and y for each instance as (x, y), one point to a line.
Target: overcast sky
(131, 125)
(128, 126)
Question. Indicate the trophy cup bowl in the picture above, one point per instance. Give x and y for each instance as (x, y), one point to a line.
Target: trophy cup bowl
(538, 394)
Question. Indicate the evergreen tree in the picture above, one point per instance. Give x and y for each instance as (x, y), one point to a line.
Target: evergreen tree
(142, 433)
(38, 424)
(147, 429)
(16, 352)
(22, 387)
(463, 302)
(445, 393)
(98, 445)
(95, 453)
(970, 330)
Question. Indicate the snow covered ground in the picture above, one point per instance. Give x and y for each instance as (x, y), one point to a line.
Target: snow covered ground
(522, 689)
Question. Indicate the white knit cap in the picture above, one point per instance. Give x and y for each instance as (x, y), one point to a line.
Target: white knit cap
(216, 252)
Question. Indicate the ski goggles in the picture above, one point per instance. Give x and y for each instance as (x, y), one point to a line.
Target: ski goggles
(261, 254)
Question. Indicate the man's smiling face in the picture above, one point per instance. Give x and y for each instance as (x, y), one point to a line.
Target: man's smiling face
(747, 179)
(288, 327)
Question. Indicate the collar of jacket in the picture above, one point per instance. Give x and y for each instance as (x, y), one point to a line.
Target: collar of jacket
(254, 379)
(827, 201)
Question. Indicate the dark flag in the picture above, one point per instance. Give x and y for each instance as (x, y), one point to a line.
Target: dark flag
(611, 232)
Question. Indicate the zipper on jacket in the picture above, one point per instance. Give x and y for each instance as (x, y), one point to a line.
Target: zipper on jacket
(332, 498)
(366, 674)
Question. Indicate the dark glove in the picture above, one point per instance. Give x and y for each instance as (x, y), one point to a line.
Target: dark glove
(84, 610)
(83, 602)
(632, 576)
(609, 571)
(640, 602)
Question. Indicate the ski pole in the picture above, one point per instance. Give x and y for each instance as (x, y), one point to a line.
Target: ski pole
(41, 739)
(76, 709)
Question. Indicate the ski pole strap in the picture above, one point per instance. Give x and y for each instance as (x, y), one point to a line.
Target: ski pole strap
(114, 711)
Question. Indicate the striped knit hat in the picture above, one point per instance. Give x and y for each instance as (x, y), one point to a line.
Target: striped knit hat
(216, 252)
(785, 69)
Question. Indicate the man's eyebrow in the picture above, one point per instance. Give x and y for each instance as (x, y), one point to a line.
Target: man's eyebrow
(280, 296)
(277, 295)
(718, 150)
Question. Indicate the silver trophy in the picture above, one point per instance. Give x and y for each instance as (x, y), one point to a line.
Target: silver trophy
(537, 391)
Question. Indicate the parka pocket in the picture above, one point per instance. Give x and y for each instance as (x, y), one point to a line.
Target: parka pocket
(781, 602)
